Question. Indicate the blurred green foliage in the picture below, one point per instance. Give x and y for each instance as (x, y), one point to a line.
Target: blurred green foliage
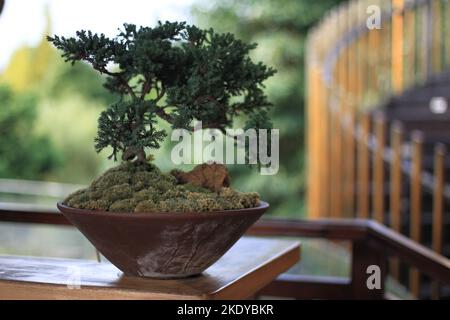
(55, 107)
(280, 28)
(23, 154)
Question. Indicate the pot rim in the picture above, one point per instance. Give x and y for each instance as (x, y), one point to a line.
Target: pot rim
(263, 206)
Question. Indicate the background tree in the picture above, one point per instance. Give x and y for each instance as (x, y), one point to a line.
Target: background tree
(23, 154)
(66, 102)
(279, 27)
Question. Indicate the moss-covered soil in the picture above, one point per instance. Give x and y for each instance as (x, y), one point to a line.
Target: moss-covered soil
(132, 187)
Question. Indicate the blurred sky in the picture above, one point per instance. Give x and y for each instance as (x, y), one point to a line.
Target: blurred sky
(23, 21)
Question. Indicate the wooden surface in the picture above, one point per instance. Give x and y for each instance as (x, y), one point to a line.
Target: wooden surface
(251, 264)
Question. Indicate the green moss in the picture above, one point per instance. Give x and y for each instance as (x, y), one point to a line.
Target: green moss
(124, 205)
(143, 188)
(146, 194)
(97, 205)
(118, 192)
(192, 188)
(146, 206)
(110, 179)
(78, 197)
(144, 179)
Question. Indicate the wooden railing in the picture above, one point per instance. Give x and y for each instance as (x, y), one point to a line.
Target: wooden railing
(358, 160)
(372, 243)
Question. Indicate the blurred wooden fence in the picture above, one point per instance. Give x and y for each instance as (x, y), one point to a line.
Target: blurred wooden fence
(363, 160)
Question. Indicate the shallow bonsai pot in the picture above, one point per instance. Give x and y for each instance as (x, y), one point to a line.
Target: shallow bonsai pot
(163, 245)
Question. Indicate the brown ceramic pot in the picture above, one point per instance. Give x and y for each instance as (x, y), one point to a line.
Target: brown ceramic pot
(163, 245)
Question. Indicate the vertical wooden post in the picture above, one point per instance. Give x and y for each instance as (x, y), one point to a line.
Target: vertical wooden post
(386, 61)
(416, 203)
(361, 70)
(351, 159)
(350, 138)
(396, 187)
(363, 166)
(397, 46)
(333, 150)
(365, 254)
(338, 135)
(373, 56)
(364, 78)
(319, 142)
(344, 112)
(335, 130)
(378, 168)
(325, 163)
(438, 206)
(410, 48)
(313, 170)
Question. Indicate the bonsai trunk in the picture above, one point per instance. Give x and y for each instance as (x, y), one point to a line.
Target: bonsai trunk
(131, 153)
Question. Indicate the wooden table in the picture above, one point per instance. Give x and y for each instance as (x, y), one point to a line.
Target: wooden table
(251, 264)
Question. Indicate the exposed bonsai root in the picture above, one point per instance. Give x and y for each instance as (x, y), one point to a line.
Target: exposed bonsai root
(211, 176)
(137, 187)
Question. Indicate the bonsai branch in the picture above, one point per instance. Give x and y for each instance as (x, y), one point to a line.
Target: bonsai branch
(146, 88)
(119, 76)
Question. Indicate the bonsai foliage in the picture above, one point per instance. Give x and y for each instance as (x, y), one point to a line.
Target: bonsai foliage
(175, 72)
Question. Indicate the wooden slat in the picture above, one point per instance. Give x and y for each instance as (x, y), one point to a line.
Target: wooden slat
(365, 75)
(312, 134)
(416, 202)
(361, 80)
(350, 149)
(438, 206)
(322, 152)
(395, 194)
(378, 167)
(386, 59)
(397, 46)
(374, 41)
(325, 157)
(363, 167)
(316, 145)
(438, 196)
(339, 137)
(410, 48)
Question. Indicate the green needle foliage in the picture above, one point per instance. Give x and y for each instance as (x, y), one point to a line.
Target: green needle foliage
(200, 74)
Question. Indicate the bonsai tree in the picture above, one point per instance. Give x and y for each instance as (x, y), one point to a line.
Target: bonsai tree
(175, 72)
